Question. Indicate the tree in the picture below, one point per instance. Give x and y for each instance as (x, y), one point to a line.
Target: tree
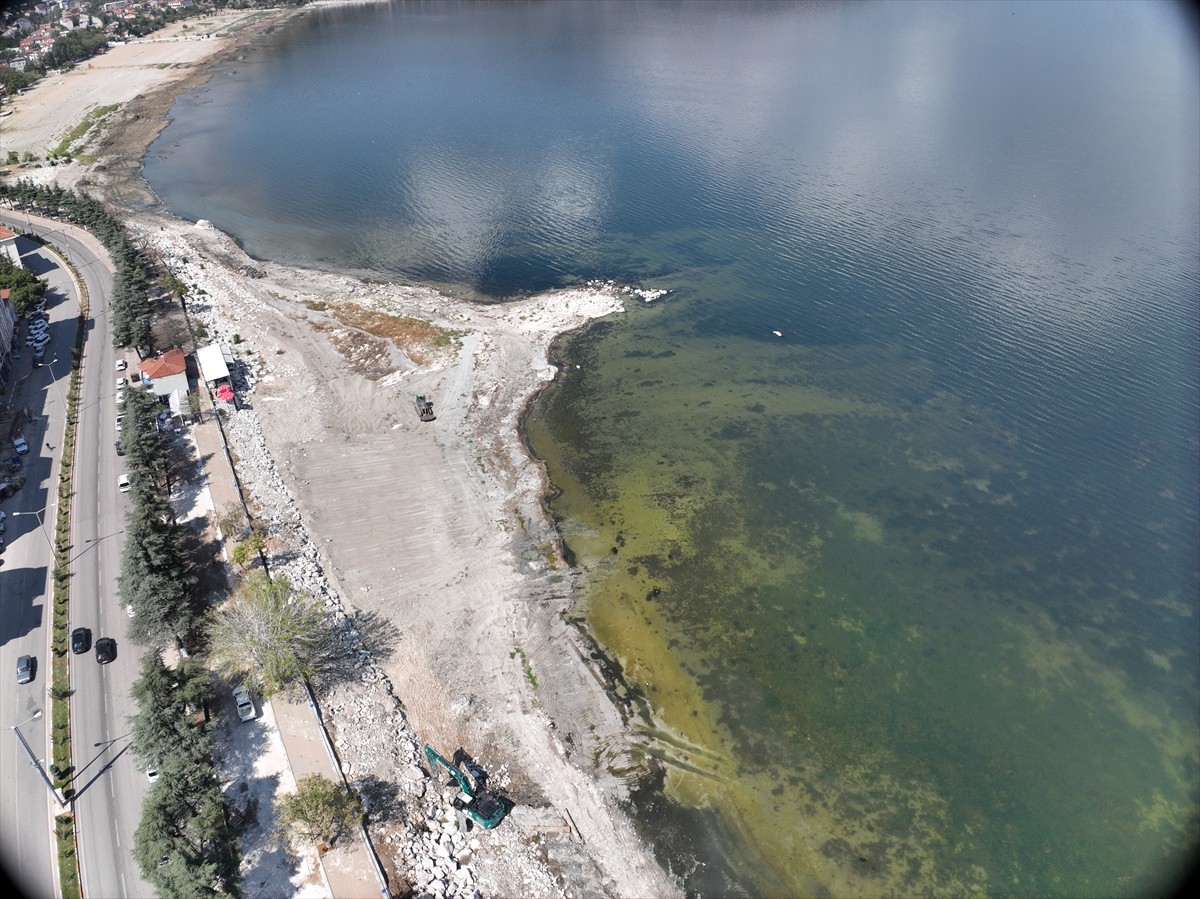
(248, 550)
(183, 846)
(26, 287)
(151, 457)
(164, 733)
(269, 635)
(319, 810)
(156, 579)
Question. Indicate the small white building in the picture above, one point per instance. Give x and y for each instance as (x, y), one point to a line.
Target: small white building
(215, 361)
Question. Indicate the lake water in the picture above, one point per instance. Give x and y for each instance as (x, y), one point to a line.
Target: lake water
(889, 510)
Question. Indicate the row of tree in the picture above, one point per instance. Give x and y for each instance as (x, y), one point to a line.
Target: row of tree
(157, 578)
(184, 844)
(264, 634)
(132, 306)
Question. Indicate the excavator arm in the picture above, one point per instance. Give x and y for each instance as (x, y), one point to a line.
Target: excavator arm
(486, 808)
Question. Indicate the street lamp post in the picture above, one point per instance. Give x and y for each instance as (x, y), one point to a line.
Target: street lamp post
(54, 381)
(33, 759)
(41, 524)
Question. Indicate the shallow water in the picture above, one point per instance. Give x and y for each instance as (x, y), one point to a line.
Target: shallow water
(912, 584)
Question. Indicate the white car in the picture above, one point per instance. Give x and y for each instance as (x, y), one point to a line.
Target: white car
(122, 365)
(121, 382)
(123, 483)
(20, 445)
(245, 705)
(37, 342)
(120, 418)
(39, 327)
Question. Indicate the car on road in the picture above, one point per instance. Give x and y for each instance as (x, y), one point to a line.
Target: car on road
(106, 650)
(39, 357)
(37, 329)
(37, 340)
(245, 705)
(121, 382)
(20, 445)
(120, 418)
(129, 610)
(81, 640)
(120, 452)
(123, 483)
(25, 669)
(122, 365)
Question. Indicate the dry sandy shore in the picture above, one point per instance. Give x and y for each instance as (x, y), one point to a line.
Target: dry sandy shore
(432, 536)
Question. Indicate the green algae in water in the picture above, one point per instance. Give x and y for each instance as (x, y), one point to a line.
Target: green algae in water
(879, 647)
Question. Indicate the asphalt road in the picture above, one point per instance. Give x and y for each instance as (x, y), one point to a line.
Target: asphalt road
(26, 815)
(109, 785)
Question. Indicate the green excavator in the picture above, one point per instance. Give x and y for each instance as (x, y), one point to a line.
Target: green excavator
(485, 807)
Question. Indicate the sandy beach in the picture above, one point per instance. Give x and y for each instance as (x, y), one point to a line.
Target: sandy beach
(428, 540)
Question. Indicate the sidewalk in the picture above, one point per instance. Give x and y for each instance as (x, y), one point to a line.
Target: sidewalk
(349, 870)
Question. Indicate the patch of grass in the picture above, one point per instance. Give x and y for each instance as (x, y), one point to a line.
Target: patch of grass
(529, 675)
(416, 337)
(92, 118)
(68, 868)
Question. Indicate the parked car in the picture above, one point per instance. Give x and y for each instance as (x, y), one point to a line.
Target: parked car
(121, 382)
(35, 342)
(152, 773)
(39, 327)
(25, 669)
(120, 452)
(81, 640)
(39, 356)
(123, 483)
(106, 650)
(122, 365)
(120, 418)
(21, 446)
(245, 705)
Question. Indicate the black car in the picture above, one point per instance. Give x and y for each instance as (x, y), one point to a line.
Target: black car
(106, 650)
(81, 640)
(120, 452)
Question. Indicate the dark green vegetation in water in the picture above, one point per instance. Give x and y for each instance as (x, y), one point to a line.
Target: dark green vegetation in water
(936, 661)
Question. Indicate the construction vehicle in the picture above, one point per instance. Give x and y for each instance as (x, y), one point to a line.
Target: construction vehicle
(425, 408)
(485, 807)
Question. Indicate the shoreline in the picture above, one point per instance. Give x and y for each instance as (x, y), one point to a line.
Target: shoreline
(457, 551)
